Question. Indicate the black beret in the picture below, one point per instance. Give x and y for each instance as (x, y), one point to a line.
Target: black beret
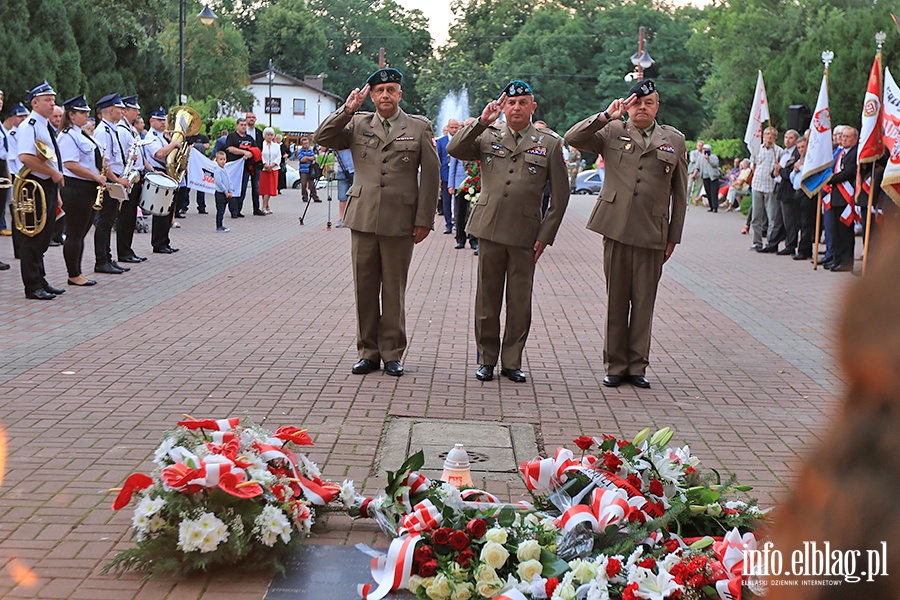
(642, 88)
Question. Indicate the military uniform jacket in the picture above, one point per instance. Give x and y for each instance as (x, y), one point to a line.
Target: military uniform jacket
(388, 197)
(643, 199)
(513, 177)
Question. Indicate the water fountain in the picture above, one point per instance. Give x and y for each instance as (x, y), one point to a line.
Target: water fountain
(455, 105)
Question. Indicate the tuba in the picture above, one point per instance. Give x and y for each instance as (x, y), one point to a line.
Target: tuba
(183, 122)
(28, 200)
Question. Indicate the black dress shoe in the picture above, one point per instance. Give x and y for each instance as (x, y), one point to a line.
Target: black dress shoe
(53, 290)
(840, 267)
(162, 251)
(476, 251)
(514, 375)
(174, 250)
(316, 200)
(448, 230)
(800, 257)
(393, 367)
(85, 284)
(460, 245)
(118, 266)
(258, 213)
(612, 380)
(785, 252)
(203, 212)
(365, 366)
(639, 381)
(238, 216)
(130, 259)
(107, 268)
(768, 250)
(3, 266)
(485, 373)
(40, 295)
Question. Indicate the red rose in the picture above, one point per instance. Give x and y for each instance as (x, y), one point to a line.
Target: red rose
(550, 586)
(634, 481)
(465, 558)
(441, 536)
(607, 437)
(423, 554)
(637, 516)
(612, 462)
(584, 442)
(476, 528)
(628, 592)
(670, 544)
(647, 563)
(690, 471)
(622, 443)
(428, 569)
(459, 540)
(656, 487)
(613, 567)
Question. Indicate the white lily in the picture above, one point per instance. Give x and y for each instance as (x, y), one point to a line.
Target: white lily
(655, 587)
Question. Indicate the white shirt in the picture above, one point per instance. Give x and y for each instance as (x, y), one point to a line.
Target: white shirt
(158, 143)
(271, 153)
(36, 128)
(107, 137)
(128, 135)
(4, 143)
(76, 146)
(785, 156)
(12, 159)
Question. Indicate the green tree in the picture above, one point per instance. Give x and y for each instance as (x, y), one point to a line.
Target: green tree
(287, 34)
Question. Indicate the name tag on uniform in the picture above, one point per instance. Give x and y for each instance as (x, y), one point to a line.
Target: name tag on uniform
(537, 150)
(368, 134)
(667, 148)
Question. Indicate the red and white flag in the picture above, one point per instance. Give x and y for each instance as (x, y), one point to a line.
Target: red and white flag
(890, 131)
(871, 145)
(759, 114)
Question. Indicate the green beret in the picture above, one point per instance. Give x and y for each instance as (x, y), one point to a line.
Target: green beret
(517, 87)
(386, 75)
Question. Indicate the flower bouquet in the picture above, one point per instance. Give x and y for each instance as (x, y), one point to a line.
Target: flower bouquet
(221, 494)
(471, 185)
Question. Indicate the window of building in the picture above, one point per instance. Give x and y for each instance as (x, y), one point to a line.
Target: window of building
(299, 106)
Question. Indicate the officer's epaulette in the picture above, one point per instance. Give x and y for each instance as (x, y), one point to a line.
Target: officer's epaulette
(548, 132)
(670, 128)
(32, 121)
(420, 118)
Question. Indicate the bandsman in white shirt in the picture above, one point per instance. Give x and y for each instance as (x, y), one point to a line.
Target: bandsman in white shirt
(128, 210)
(155, 153)
(109, 109)
(10, 126)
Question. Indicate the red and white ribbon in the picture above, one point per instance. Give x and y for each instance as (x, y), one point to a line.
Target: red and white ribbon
(511, 594)
(391, 572)
(425, 516)
(730, 552)
(543, 473)
(476, 494)
(607, 507)
(417, 483)
(211, 424)
(318, 492)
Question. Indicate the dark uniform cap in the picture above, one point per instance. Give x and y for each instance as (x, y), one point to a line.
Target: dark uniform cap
(41, 89)
(77, 103)
(386, 75)
(158, 113)
(18, 110)
(517, 87)
(131, 102)
(110, 100)
(642, 88)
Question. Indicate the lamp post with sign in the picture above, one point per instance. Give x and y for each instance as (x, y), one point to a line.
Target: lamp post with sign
(640, 59)
(207, 17)
(269, 99)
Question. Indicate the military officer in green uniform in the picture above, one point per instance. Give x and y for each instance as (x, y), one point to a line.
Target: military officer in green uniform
(517, 161)
(640, 213)
(391, 208)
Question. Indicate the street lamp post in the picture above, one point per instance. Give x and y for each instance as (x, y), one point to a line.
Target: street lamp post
(640, 59)
(207, 17)
(269, 107)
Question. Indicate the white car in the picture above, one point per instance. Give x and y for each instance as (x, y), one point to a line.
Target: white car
(292, 179)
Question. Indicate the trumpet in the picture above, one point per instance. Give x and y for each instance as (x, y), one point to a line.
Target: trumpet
(98, 201)
(29, 201)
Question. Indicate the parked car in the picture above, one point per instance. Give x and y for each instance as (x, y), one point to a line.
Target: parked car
(589, 182)
(292, 179)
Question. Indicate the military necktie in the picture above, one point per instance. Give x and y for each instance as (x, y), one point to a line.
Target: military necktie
(387, 126)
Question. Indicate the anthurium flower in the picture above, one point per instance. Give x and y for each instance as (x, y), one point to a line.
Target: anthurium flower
(293, 434)
(211, 424)
(134, 483)
(178, 475)
(234, 484)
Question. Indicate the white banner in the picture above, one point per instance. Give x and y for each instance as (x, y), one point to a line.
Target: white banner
(200, 174)
(891, 124)
(759, 114)
(818, 164)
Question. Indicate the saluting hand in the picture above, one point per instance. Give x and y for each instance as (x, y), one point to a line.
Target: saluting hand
(356, 99)
(619, 107)
(493, 110)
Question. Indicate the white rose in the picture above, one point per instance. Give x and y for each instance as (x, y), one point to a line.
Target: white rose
(565, 592)
(528, 550)
(528, 569)
(532, 519)
(494, 554)
(439, 588)
(496, 534)
(413, 583)
(714, 510)
(488, 587)
(583, 570)
(462, 591)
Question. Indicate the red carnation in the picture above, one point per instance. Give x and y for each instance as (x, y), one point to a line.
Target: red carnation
(628, 592)
(613, 567)
(634, 481)
(476, 528)
(612, 462)
(441, 536)
(428, 569)
(459, 540)
(584, 442)
(465, 558)
(656, 487)
(551, 586)
(670, 544)
(423, 554)
(647, 563)
(680, 573)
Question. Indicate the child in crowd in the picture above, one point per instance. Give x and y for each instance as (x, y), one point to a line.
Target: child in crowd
(223, 190)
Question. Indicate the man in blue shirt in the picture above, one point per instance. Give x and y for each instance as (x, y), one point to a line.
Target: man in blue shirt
(307, 156)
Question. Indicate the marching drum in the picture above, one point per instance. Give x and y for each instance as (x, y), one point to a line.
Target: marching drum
(158, 194)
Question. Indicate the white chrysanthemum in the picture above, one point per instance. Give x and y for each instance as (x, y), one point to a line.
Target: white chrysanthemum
(270, 524)
(143, 512)
(161, 455)
(140, 521)
(203, 534)
(348, 493)
(597, 590)
(309, 467)
(189, 535)
(263, 477)
(156, 523)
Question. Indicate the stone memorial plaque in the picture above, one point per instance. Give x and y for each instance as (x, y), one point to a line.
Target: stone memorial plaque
(325, 573)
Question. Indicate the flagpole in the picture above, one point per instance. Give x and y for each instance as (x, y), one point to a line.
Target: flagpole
(879, 39)
(827, 57)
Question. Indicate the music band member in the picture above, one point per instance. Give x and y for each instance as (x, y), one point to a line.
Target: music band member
(109, 108)
(128, 210)
(15, 118)
(47, 174)
(156, 152)
(82, 161)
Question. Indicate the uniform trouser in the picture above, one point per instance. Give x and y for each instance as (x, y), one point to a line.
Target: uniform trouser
(807, 226)
(4, 194)
(380, 269)
(632, 278)
(447, 205)
(790, 210)
(78, 197)
(32, 249)
(760, 215)
(127, 221)
(499, 264)
(159, 230)
(106, 220)
(461, 210)
(829, 218)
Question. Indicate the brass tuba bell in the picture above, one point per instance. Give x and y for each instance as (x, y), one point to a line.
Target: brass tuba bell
(183, 122)
(28, 200)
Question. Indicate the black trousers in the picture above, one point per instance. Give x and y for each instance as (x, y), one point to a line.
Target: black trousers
(127, 220)
(103, 226)
(844, 237)
(461, 209)
(712, 193)
(807, 225)
(221, 203)
(78, 197)
(790, 211)
(159, 232)
(32, 249)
